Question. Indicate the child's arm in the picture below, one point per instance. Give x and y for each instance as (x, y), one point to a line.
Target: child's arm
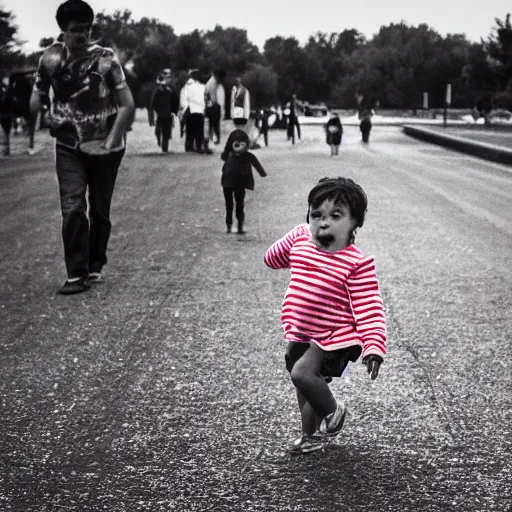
(256, 164)
(368, 309)
(278, 256)
(227, 148)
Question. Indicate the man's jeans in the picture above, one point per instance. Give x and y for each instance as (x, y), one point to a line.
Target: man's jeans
(85, 238)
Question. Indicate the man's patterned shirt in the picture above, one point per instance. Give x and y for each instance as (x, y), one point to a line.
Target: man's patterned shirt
(82, 92)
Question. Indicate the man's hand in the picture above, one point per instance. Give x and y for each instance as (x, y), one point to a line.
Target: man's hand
(372, 363)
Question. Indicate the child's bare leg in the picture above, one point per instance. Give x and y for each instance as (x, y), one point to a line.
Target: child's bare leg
(309, 418)
(307, 379)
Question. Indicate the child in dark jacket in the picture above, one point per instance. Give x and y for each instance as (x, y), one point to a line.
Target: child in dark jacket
(237, 176)
(333, 133)
(365, 125)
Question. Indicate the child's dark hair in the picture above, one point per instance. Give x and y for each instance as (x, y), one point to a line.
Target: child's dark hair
(235, 135)
(340, 190)
(74, 10)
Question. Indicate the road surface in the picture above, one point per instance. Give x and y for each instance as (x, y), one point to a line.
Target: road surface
(164, 388)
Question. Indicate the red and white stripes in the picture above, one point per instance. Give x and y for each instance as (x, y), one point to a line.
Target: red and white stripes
(332, 299)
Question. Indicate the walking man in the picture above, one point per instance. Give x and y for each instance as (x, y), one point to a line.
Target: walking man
(164, 102)
(293, 120)
(215, 98)
(92, 106)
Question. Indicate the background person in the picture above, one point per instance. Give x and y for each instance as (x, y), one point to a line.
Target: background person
(334, 133)
(192, 106)
(240, 105)
(365, 125)
(165, 103)
(6, 113)
(91, 102)
(215, 99)
(293, 120)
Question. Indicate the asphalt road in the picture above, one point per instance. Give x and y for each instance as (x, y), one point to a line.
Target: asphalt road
(164, 388)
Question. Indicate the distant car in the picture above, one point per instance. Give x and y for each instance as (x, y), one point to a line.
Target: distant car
(319, 110)
(501, 114)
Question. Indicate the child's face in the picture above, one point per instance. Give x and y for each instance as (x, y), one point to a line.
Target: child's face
(239, 146)
(331, 225)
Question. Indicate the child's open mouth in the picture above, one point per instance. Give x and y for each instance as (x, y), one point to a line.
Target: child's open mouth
(325, 240)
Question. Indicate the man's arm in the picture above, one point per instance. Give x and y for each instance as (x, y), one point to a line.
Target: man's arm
(124, 117)
(36, 103)
(221, 100)
(41, 86)
(183, 99)
(232, 103)
(125, 105)
(247, 104)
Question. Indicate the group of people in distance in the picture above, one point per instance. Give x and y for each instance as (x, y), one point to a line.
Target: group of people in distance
(199, 107)
(332, 312)
(196, 106)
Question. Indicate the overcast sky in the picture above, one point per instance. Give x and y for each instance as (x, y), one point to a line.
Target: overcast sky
(264, 19)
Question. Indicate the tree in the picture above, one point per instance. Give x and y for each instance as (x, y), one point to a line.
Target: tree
(287, 59)
(328, 61)
(10, 46)
(188, 52)
(262, 84)
(131, 38)
(499, 51)
(229, 49)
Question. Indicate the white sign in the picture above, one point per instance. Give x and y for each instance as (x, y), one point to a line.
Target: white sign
(448, 94)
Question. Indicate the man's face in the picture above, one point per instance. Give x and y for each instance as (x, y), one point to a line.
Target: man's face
(77, 35)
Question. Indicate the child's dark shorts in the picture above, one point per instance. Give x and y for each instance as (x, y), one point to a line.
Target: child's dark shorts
(334, 361)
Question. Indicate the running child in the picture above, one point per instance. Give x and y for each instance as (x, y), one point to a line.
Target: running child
(332, 312)
(237, 176)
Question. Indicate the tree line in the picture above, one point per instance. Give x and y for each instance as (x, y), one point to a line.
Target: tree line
(391, 70)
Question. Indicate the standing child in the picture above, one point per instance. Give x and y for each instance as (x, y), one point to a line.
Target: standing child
(332, 311)
(334, 132)
(237, 176)
(365, 125)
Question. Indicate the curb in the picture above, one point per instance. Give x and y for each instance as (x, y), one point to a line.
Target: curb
(480, 149)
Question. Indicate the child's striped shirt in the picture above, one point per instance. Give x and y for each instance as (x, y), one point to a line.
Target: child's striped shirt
(332, 299)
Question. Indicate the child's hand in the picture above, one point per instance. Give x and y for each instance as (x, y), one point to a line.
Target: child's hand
(372, 363)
